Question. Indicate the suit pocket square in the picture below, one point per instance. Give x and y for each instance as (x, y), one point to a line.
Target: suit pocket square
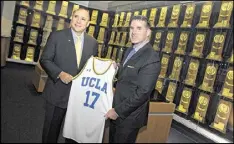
(130, 66)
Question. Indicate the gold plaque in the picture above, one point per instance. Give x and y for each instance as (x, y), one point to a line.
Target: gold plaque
(33, 37)
(122, 14)
(227, 89)
(94, 17)
(108, 55)
(91, 30)
(221, 116)
(171, 92)
(114, 53)
(45, 37)
(174, 16)
(104, 21)
(117, 38)
(217, 46)
(162, 17)
(136, 13)
(169, 42)
(120, 55)
(24, 3)
(116, 20)
(209, 78)
(60, 24)
(16, 52)
(230, 60)
(63, 10)
(205, 15)
(129, 43)
(198, 44)
(201, 108)
(48, 23)
(159, 85)
(30, 54)
(128, 17)
(182, 43)
(188, 18)
(224, 15)
(192, 72)
(176, 68)
(157, 40)
(185, 100)
(75, 7)
(144, 12)
(164, 65)
(36, 19)
(101, 34)
(111, 41)
(39, 5)
(152, 16)
(51, 8)
(19, 34)
(22, 16)
(99, 50)
(123, 40)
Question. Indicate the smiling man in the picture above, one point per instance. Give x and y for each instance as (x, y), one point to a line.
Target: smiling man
(137, 77)
(64, 55)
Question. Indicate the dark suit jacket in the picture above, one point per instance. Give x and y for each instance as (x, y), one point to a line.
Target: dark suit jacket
(59, 55)
(136, 81)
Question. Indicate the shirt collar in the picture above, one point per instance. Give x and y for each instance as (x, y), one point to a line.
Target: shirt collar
(75, 35)
(140, 45)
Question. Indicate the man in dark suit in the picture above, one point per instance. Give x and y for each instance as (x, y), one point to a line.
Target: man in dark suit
(137, 77)
(65, 54)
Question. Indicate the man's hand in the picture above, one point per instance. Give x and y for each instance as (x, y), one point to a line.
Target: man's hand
(111, 114)
(65, 77)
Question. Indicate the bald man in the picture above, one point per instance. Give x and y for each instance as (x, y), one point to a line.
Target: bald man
(63, 57)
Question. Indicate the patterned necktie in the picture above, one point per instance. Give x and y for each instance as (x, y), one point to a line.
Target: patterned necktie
(132, 52)
(78, 50)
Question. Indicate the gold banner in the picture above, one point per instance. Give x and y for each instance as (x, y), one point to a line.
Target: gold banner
(159, 85)
(33, 37)
(188, 18)
(48, 23)
(108, 55)
(171, 92)
(174, 16)
(91, 30)
(51, 8)
(157, 41)
(45, 37)
(117, 38)
(129, 43)
(60, 24)
(22, 16)
(63, 10)
(152, 16)
(36, 19)
(104, 21)
(111, 41)
(217, 46)
(175, 74)
(185, 100)
(182, 43)
(19, 34)
(116, 20)
(224, 15)
(136, 13)
(227, 89)
(94, 17)
(128, 17)
(221, 116)
(30, 54)
(122, 14)
(205, 15)
(209, 78)
(100, 46)
(39, 5)
(230, 60)
(169, 42)
(144, 12)
(24, 3)
(198, 44)
(16, 52)
(201, 108)
(75, 7)
(164, 65)
(192, 72)
(101, 35)
(123, 40)
(114, 53)
(162, 17)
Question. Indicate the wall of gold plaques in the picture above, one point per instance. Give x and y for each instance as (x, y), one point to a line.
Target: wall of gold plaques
(35, 20)
(195, 43)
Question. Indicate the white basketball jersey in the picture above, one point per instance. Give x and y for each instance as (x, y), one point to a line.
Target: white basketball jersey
(90, 99)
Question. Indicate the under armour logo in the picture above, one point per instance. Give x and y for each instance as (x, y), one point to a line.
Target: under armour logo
(88, 70)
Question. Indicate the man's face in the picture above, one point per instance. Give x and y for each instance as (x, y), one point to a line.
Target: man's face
(80, 20)
(138, 31)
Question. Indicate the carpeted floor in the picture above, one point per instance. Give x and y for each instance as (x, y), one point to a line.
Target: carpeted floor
(22, 112)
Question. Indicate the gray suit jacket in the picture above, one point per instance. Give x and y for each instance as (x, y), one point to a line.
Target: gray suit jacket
(136, 81)
(59, 55)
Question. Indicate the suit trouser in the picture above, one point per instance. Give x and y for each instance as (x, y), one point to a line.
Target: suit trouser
(122, 134)
(54, 117)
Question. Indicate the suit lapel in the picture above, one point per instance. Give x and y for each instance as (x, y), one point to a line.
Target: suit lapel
(84, 51)
(71, 44)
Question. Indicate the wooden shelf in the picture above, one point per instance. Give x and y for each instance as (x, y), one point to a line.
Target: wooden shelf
(21, 61)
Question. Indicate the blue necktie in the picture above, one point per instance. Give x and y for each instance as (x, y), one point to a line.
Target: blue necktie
(132, 52)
